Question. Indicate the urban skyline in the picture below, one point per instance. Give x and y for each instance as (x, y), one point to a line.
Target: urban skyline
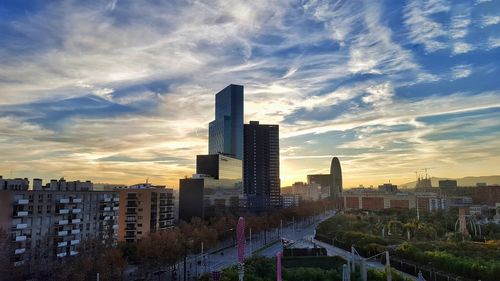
(99, 91)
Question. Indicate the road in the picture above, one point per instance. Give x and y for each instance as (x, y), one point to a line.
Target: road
(302, 232)
(197, 265)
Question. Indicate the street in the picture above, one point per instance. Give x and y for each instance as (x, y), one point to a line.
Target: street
(302, 232)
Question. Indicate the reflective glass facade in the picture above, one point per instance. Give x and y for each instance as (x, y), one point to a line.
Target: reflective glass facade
(225, 133)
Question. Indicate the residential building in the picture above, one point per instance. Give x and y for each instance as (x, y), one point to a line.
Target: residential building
(261, 166)
(145, 208)
(225, 133)
(290, 200)
(50, 222)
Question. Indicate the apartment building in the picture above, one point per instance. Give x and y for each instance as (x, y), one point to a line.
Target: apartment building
(51, 221)
(145, 208)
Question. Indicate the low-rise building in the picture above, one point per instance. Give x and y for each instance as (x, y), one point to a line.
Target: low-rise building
(376, 201)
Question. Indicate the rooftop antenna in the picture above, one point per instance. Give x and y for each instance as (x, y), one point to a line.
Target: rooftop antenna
(147, 180)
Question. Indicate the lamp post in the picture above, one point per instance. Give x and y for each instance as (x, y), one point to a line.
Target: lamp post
(187, 244)
(240, 232)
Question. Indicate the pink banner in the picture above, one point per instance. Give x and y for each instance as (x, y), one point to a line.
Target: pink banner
(240, 234)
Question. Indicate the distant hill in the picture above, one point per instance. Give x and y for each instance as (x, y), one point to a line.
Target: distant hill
(467, 181)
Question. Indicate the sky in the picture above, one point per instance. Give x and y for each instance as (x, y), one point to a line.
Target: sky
(120, 91)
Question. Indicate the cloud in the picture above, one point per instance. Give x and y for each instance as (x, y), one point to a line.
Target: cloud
(422, 29)
(462, 48)
(493, 43)
(461, 71)
(121, 90)
(379, 95)
(490, 20)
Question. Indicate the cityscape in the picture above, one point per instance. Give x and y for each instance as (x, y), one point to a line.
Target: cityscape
(230, 140)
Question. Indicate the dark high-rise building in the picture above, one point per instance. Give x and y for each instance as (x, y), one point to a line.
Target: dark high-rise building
(214, 189)
(261, 171)
(219, 167)
(336, 173)
(447, 183)
(191, 196)
(225, 133)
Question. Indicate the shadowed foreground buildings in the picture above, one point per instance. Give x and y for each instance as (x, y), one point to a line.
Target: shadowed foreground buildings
(51, 221)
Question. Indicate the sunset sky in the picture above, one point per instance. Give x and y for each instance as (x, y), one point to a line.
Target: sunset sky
(121, 91)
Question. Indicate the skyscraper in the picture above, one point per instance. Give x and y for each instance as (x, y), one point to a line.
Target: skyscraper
(261, 171)
(225, 133)
(336, 174)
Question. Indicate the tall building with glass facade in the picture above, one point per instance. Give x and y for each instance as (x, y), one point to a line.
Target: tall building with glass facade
(261, 170)
(225, 133)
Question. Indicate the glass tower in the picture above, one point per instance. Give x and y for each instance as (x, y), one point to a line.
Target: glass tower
(225, 133)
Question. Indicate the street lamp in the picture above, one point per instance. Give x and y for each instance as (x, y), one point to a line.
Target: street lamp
(188, 244)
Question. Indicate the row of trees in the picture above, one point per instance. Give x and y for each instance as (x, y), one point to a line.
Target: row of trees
(154, 252)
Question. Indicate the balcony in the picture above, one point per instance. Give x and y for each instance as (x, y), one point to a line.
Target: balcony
(77, 200)
(115, 226)
(75, 242)
(62, 233)
(107, 199)
(62, 244)
(76, 211)
(62, 222)
(116, 208)
(19, 251)
(75, 231)
(61, 255)
(76, 221)
(22, 213)
(73, 253)
(23, 202)
(19, 263)
(63, 211)
(116, 199)
(20, 238)
(107, 209)
(64, 200)
(21, 225)
(107, 218)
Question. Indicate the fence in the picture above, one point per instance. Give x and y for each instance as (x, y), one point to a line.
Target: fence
(429, 273)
